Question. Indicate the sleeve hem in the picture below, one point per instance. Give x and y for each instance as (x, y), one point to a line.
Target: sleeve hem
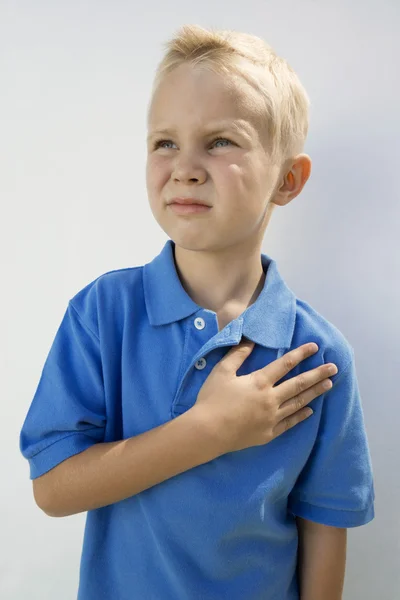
(53, 455)
(333, 517)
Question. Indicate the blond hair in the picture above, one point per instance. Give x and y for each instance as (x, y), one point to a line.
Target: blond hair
(285, 102)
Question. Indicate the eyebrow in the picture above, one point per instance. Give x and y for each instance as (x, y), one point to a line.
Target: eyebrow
(237, 126)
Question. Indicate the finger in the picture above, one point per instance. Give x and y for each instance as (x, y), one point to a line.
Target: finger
(274, 371)
(291, 421)
(298, 402)
(297, 385)
(236, 356)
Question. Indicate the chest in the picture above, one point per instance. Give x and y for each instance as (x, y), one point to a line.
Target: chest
(152, 376)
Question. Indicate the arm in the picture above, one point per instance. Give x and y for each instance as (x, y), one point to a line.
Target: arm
(321, 560)
(110, 472)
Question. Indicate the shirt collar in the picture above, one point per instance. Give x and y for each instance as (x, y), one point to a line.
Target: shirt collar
(269, 321)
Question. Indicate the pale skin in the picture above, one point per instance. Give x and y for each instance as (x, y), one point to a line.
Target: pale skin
(217, 253)
(321, 560)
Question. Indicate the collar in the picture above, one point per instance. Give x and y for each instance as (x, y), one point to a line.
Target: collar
(269, 321)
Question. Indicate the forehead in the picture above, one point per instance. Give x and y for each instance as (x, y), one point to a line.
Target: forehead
(198, 95)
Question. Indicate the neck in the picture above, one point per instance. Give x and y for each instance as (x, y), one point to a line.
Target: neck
(224, 281)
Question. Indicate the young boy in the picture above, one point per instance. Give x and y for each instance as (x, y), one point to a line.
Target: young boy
(202, 478)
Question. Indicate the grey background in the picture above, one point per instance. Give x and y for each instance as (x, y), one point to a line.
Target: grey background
(75, 82)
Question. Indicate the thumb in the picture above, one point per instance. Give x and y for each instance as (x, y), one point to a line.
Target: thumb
(237, 355)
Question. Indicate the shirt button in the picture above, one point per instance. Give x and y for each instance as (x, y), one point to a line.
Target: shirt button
(200, 364)
(199, 323)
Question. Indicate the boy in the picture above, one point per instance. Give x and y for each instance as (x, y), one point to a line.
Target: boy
(203, 478)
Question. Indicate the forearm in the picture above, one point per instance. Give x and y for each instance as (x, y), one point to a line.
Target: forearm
(321, 560)
(110, 472)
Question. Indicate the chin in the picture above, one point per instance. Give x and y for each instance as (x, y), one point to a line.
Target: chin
(190, 244)
(197, 243)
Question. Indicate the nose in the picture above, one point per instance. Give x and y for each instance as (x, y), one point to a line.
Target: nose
(187, 169)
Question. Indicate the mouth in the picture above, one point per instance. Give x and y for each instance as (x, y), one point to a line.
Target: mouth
(188, 209)
(188, 201)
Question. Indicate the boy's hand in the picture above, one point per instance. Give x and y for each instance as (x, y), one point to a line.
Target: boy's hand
(248, 410)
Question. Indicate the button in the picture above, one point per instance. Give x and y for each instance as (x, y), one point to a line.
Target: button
(199, 323)
(200, 364)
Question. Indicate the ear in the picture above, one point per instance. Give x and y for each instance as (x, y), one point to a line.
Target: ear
(293, 180)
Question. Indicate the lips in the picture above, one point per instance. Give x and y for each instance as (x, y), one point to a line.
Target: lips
(188, 201)
(189, 209)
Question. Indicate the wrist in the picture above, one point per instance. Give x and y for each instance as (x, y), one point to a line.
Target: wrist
(210, 432)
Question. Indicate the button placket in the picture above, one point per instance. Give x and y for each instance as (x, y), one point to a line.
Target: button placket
(228, 337)
(200, 323)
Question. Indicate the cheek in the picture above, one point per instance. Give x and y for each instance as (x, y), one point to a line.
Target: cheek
(244, 190)
(238, 180)
(232, 177)
(155, 173)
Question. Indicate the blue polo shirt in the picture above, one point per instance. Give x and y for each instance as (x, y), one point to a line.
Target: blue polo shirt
(131, 353)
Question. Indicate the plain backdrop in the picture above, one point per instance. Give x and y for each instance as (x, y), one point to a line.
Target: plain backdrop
(74, 87)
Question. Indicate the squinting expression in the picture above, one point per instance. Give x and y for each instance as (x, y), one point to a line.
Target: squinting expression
(204, 142)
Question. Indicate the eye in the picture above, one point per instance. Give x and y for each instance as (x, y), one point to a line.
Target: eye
(222, 140)
(159, 144)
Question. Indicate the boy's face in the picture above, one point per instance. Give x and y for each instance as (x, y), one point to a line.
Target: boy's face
(234, 175)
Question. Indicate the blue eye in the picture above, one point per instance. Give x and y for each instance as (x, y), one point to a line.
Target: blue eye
(160, 143)
(221, 140)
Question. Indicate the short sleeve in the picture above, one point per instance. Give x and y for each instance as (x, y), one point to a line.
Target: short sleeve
(67, 413)
(336, 485)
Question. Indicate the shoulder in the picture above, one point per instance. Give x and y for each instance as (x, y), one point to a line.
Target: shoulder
(312, 326)
(106, 293)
